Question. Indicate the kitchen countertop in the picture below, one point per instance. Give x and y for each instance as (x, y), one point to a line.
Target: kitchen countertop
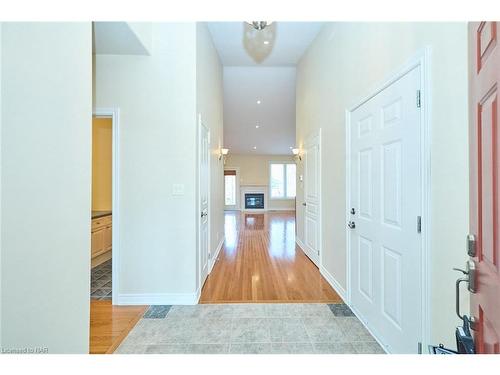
(98, 214)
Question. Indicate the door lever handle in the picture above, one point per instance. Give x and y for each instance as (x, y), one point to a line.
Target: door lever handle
(470, 279)
(470, 275)
(461, 270)
(457, 296)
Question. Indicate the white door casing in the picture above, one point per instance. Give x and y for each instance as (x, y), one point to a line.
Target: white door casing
(386, 194)
(312, 197)
(204, 193)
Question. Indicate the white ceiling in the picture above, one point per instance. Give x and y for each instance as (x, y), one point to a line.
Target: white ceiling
(275, 115)
(118, 38)
(255, 70)
(287, 42)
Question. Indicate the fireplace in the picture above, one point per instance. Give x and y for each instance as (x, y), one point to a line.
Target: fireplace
(254, 201)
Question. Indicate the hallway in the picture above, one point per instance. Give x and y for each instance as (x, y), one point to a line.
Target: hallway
(260, 262)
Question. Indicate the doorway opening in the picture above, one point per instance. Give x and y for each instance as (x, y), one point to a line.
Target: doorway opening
(109, 323)
(102, 212)
(104, 219)
(231, 188)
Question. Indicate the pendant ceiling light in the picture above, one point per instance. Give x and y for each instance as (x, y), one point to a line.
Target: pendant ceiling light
(259, 25)
(258, 39)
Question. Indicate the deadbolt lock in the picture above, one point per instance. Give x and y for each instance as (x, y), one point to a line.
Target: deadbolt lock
(471, 245)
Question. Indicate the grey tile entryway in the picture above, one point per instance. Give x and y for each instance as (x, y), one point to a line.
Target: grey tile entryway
(250, 328)
(157, 312)
(100, 281)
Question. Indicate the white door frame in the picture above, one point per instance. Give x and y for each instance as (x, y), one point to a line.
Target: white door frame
(237, 206)
(422, 59)
(209, 255)
(114, 114)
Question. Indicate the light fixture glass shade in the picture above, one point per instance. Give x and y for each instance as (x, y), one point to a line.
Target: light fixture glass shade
(224, 151)
(295, 151)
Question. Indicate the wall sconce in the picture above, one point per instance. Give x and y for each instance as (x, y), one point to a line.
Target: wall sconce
(222, 154)
(297, 154)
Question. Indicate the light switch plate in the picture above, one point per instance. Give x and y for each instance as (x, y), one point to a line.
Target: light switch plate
(178, 189)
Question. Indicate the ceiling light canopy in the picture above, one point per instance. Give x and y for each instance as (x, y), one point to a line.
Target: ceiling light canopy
(259, 25)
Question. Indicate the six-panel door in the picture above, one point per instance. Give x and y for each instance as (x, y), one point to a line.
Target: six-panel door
(386, 197)
(484, 65)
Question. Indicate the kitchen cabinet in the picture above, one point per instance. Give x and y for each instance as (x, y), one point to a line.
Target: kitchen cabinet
(101, 239)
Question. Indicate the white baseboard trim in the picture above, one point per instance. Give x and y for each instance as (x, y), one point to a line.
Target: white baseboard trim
(216, 253)
(198, 295)
(157, 299)
(314, 257)
(334, 283)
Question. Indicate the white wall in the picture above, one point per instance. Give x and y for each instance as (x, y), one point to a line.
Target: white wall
(254, 170)
(209, 104)
(339, 68)
(156, 95)
(45, 191)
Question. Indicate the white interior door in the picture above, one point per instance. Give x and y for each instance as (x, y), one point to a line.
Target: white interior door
(312, 191)
(204, 202)
(385, 245)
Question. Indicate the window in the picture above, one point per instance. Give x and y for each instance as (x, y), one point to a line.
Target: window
(282, 180)
(230, 188)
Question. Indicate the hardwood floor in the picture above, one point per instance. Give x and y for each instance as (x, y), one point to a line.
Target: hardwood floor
(109, 324)
(260, 262)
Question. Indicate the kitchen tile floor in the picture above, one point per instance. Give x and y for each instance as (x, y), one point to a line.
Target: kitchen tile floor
(100, 281)
(249, 328)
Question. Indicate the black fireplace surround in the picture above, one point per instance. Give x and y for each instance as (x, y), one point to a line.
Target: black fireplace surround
(254, 201)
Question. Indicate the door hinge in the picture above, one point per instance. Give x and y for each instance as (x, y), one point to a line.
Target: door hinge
(419, 224)
(419, 99)
(419, 348)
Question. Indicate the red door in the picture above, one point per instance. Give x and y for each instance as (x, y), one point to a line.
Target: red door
(484, 74)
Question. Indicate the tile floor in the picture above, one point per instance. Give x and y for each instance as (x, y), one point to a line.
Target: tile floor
(100, 281)
(249, 329)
